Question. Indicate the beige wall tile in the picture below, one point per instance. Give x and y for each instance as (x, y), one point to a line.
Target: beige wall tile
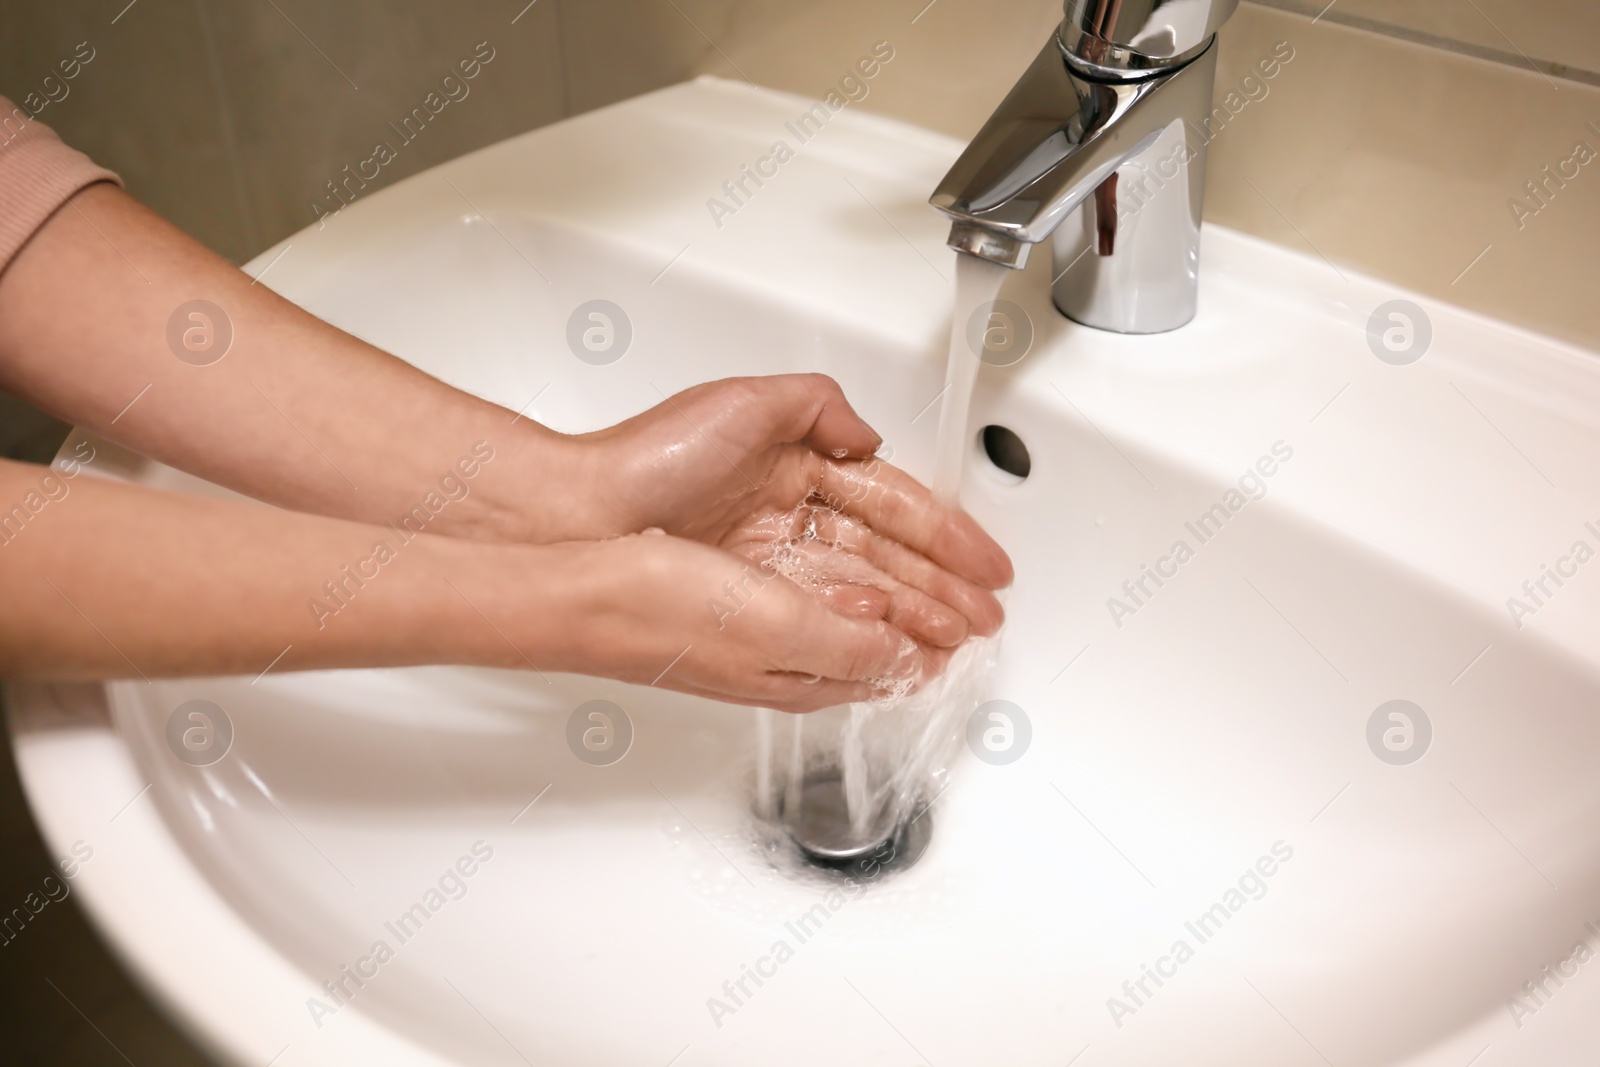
(614, 49)
(299, 121)
(143, 106)
(229, 120)
(953, 59)
(1399, 161)
(1560, 31)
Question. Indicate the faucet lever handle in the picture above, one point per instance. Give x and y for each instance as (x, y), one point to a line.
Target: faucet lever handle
(1126, 39)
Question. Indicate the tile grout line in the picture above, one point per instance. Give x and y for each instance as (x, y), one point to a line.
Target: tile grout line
(1546, 67)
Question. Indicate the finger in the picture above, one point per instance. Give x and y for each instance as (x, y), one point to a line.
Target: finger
(788, 691)
(908, 609)
(837, 430)
(897, 506)
(853, 600)
(880, 654)
(922, 618)
(852, 584)
(783, 408)
(824, 643)
(782, 690)
(919, 616)
(913, 572)
(799, 694)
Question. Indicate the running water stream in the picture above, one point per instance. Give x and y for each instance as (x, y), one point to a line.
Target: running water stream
(892, 750)
(977, 286)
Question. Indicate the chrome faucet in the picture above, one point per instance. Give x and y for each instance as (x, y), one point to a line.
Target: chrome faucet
(1101, 148)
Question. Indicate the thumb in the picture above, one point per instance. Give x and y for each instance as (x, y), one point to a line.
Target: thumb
(812, 408)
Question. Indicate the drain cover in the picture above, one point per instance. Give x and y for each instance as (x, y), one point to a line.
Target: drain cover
(822, 831)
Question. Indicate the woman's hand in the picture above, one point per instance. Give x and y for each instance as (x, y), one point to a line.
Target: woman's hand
(653, 609)
(734, 463)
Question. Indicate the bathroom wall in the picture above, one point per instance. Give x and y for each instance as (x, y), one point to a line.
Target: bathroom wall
(1412, 162)
(230, 118)
(1395, 142)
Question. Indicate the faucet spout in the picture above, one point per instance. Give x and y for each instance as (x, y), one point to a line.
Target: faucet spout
(1101, 159)
(1053, 140)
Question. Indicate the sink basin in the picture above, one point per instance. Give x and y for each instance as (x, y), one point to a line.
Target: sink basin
(1220, 845)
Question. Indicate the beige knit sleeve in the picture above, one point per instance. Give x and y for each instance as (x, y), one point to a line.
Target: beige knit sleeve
(37, 175)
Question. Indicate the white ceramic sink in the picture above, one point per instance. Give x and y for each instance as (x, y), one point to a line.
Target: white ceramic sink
(1224, 721)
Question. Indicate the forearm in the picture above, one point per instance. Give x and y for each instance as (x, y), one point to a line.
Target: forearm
(297, 413)
(107, 580)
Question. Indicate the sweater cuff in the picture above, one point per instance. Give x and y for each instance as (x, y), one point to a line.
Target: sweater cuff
(38, 174)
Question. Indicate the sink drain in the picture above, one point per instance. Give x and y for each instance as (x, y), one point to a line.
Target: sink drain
(821, 830)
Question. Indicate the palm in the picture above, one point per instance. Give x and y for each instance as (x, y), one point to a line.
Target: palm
(760, 467)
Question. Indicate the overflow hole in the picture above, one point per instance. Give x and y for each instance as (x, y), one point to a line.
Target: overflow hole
(1006, 451)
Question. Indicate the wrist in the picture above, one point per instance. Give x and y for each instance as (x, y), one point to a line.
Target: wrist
(519, 606)
(538, 486)
(613, 608)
